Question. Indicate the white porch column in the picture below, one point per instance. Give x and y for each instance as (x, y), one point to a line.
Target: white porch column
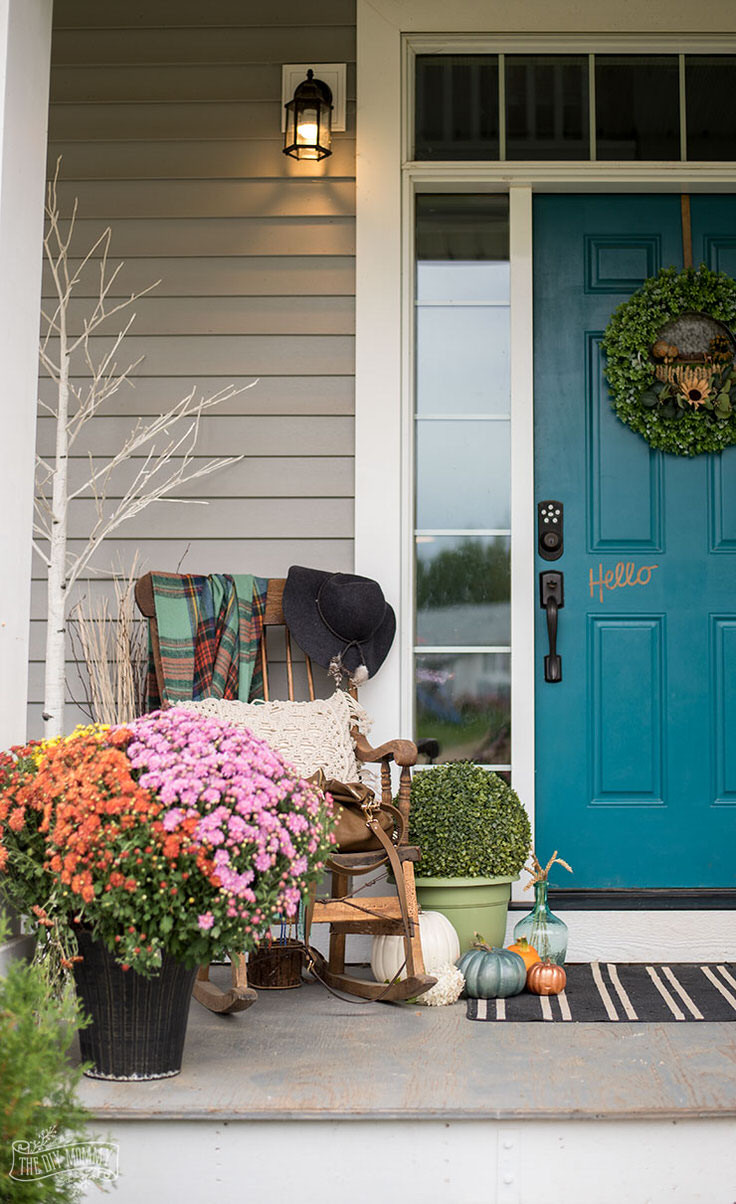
(25, 51)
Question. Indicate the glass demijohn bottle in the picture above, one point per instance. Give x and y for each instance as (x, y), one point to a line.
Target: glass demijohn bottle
(545, 931)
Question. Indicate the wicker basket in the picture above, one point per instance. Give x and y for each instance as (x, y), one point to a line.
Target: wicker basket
(276, 967)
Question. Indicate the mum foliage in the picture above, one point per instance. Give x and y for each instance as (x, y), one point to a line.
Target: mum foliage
(468, 822)
(630, 370)
(178, 832)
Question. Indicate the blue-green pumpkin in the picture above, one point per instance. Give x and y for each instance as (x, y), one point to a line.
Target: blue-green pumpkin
(492, 973)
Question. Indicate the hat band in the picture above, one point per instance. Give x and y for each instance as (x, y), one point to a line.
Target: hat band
(347, 644)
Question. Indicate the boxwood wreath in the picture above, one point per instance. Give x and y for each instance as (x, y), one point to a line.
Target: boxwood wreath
(681, 402)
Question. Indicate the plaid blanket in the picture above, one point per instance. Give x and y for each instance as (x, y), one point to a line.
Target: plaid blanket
(209, 631)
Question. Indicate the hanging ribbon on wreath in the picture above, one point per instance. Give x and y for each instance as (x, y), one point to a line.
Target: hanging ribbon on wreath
(670, 356)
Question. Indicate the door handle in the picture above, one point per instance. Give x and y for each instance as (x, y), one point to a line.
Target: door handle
(552, 600)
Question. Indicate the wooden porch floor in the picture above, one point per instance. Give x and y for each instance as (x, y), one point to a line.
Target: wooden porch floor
(301, 1054)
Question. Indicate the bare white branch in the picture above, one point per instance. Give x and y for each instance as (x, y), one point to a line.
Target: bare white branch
(41, 553)
(164, 444)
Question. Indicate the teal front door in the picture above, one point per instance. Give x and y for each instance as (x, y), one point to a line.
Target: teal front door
(636, 745)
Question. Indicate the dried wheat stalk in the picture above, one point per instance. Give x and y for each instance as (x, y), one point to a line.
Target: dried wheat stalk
(537, 874)
(114, 651)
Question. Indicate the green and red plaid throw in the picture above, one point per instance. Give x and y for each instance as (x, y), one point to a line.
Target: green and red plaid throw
(209, 631)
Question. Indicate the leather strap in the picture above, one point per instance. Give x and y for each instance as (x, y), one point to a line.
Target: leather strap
(395, 864)
(383, 839)
(314, 958)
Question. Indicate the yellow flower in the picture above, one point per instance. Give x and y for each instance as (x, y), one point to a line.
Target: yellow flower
(694, 385)
(98, 730)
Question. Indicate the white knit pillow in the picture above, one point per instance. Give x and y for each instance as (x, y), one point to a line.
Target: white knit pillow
(309, 735)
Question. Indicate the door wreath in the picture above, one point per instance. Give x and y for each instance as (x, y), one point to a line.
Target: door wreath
(670, 361)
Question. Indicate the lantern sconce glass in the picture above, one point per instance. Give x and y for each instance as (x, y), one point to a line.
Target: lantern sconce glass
(308, 133)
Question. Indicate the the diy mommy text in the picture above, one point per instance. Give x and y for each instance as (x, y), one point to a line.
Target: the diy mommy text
(622, 575)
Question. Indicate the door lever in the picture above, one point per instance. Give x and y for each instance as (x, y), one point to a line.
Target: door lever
(552, 600)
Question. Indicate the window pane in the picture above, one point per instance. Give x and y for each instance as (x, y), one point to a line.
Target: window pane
(463, 702)
(710, 101)
(467, 227)
(637, 100)
(463, 586)
(456, 106)
(452, 281)
(462, 359)
(463, 475)
(547, 107)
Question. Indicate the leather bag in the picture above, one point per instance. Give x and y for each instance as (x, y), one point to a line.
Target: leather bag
(355, 803)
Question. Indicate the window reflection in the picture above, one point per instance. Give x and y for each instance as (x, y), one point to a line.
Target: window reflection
(547, 111)
(462, 359)
(463, 590)
(463, 701)
(637, 107)
(710, 81)
(463, 474)
(457, 106)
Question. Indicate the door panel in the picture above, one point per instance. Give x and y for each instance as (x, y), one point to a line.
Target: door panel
(636, 746)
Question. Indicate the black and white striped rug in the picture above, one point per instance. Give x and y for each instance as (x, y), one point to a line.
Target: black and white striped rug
(603, 991)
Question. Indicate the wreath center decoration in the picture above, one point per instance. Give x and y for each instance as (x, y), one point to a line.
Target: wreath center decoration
(670, 365)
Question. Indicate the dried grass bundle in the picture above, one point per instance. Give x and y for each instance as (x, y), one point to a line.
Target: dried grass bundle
(114, 651)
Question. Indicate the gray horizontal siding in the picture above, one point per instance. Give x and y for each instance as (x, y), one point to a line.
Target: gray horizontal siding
(224, 43)
(223, 436)
(278, 394)
(142, 14)
(195, 82)
(156, 315)
(166, 115)
(238, 120)
(236, 356)
(186, 159)
(222, 518)
(207, 198)
(197, 236)
(230, 276)
(302, 476)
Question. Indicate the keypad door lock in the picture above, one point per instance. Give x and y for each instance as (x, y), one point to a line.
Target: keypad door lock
(550, 536)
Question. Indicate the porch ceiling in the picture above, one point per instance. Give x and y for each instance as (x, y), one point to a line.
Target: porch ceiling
(301, 1054)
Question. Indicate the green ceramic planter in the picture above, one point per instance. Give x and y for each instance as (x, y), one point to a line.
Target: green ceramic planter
(470, 904)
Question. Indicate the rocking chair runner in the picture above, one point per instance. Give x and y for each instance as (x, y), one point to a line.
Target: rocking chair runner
(396, 914)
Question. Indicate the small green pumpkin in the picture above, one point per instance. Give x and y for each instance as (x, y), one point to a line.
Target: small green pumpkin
(492, 973)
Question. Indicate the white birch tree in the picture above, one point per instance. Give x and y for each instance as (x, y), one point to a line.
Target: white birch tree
(86, 376)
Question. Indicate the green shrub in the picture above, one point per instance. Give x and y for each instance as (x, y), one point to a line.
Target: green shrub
(37, 1082)
(468, 823)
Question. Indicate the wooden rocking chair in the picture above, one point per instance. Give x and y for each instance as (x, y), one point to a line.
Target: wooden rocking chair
(393, 914)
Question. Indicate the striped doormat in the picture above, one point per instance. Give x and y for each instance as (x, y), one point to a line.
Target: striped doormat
(602, 992)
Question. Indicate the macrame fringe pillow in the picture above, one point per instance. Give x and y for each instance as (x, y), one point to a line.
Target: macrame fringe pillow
(309, 735)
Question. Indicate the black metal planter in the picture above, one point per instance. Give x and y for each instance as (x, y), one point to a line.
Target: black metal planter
(138, 1024)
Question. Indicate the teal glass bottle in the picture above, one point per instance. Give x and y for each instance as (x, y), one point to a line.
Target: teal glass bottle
(545, 931)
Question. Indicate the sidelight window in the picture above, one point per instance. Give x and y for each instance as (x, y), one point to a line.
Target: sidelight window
(463, 479)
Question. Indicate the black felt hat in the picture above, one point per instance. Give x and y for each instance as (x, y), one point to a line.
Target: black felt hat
(339, 617)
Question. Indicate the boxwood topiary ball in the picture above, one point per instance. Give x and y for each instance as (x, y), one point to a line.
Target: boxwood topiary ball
(468, 823)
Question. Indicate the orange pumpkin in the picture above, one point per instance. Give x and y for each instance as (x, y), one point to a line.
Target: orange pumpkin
(545, 978)
(526, 952)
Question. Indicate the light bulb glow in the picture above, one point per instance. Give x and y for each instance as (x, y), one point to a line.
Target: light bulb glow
(306, 133)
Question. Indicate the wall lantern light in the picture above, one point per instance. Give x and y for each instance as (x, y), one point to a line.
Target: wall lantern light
(308, 133)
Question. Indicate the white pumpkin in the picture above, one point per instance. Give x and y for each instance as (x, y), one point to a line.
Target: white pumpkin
(440, 944)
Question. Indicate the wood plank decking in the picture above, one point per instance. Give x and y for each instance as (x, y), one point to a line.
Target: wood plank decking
(385, 1099)
(302, 1053)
